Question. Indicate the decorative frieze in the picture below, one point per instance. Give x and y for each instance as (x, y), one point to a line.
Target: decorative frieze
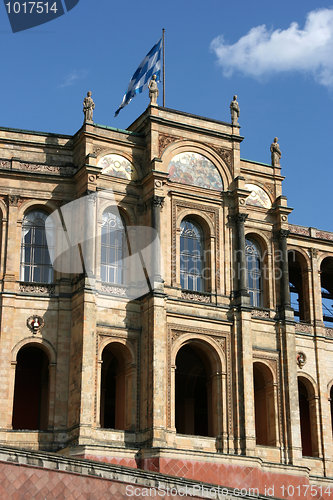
(39, 168)
(196, 297)
(37, 289)
(324, 235)
(304, 231)
(329, 332)
(45, 169)
(314, 233)
(113, 290)
(303, 328)
(259, 313)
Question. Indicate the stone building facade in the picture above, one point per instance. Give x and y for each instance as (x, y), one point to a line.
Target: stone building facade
(222, 371)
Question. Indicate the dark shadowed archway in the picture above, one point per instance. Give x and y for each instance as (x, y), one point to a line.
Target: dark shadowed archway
(31, 392)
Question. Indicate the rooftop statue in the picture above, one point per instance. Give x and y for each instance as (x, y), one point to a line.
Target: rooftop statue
(234, 110)
(88, 108)
(153, 91)
(275, 153)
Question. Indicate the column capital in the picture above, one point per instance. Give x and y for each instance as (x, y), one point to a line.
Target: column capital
(283, 233)
(157, 201)
(238, 218)
(13, 200)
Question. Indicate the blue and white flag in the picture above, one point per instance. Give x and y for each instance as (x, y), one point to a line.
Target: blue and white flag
(151, 65)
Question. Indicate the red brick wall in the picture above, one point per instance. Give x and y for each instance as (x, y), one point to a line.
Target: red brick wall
(22, 482)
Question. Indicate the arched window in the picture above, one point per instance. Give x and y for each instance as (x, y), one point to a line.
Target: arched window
(191, 256)
(112, 248)
(36, 265)
(31, 392)
(326, 269)
(195, 392)
(254, 273)
(264, 405)
(308, 420)
(116, 388)
(299, 293)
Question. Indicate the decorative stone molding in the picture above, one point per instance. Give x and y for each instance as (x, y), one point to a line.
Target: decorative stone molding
(304, 231)
(312, 232)
(46, 169)
(238, 218)
(226, 155)
(269, 187)
(324, 235)
(259, 313)
(98, 149)
(164, 140)
(329, 332)
(303, 328)
(37, 289)
(158, 201)
(113, 290)
(196, 297)
(300, 359)
(5, 164)
(35, 324)
(283, 233)
(13, 200)
(313, 253)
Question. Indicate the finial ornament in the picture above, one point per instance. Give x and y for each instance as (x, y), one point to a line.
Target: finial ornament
(234, 110)
(153, 91)
(88, 107)
(275, 153)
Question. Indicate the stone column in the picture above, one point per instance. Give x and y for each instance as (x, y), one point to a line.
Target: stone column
(241, 269)
(285, 289)
(157, 204)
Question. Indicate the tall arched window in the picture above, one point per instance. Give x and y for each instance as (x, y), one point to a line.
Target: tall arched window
(326, 269)
(191, 256)
(196, 390)
(254, 273)
(299, 290)
(112, 248)
(264, 405)
(31, 392)
(36, 265)
(308, 418)
(117, 383)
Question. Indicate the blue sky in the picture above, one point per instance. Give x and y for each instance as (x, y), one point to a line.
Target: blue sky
(284, 84)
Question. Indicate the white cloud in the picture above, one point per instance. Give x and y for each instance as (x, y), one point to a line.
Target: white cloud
(72, 77)
(263, 52)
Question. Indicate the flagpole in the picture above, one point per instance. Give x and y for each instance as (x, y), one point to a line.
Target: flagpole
(163, 50)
